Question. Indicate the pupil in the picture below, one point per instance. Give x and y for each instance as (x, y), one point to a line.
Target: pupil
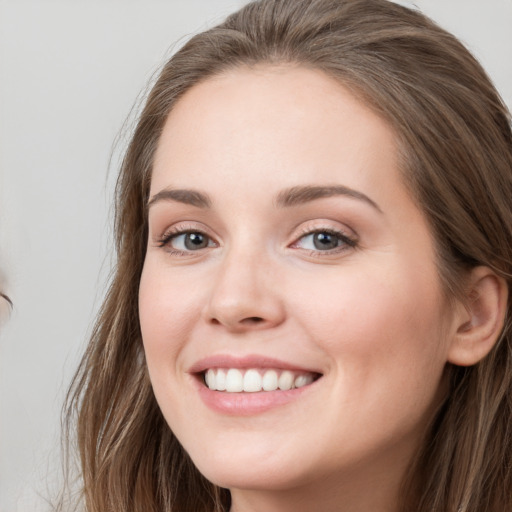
(195, 241)
(325, 241)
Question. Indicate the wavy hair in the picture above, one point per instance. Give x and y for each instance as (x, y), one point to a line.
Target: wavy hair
(455, 142)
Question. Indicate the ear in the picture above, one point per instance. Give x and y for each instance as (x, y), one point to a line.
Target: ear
(481, 319)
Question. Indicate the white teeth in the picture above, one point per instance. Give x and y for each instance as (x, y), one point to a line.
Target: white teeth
(252, 381)
(303, 380)
(286, 381)
(233, 380)
(210, 378)
(270, 380)
(220, 381)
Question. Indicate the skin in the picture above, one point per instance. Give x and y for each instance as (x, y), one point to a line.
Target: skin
(370, 316)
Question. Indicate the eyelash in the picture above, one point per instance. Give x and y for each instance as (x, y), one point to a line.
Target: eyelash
(165, 240)
(346, 241)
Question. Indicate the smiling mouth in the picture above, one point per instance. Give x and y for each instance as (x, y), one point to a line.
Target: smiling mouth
(252, 380)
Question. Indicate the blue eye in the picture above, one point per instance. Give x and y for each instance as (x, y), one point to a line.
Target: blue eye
(324, 241)
(187, 241)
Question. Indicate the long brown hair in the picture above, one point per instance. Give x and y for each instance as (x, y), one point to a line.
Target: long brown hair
(456, 156)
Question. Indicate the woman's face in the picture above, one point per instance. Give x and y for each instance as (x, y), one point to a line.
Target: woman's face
(284, 250)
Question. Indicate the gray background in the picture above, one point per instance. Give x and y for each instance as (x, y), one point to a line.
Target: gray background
(70, 71)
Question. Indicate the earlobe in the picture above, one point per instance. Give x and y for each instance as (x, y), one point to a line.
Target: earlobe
(480, 325)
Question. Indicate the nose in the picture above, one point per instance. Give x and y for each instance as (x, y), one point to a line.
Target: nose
(246, 295)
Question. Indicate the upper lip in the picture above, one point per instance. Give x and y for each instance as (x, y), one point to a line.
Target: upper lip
(246, 362)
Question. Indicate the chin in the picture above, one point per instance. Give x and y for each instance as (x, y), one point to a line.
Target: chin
(253, 462)
(260, 476)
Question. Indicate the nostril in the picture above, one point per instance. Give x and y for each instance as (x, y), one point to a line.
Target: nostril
(252, 320)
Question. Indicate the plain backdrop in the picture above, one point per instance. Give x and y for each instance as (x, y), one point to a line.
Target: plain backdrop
(70, 72)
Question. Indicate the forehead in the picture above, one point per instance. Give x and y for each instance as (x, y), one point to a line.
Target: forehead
(281, 125)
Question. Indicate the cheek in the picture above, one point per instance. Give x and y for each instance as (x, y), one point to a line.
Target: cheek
(384, 338)
(385, 322)
(166, 314)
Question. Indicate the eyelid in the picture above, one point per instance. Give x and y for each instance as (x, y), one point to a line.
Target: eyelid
(324, 224)
(347, 235)
(349, 239)
(181, 228)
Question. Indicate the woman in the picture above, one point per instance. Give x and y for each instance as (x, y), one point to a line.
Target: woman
(310, 305)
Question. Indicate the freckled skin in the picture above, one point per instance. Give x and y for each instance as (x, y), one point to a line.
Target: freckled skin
(370, 318)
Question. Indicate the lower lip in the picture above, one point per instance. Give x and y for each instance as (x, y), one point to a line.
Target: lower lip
(247, 404)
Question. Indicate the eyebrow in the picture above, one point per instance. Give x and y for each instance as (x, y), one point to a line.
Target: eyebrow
(290, 197)
(185, 196)
(303, 194)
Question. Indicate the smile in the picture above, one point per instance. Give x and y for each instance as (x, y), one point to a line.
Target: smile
(251, 384)
(252, 380)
